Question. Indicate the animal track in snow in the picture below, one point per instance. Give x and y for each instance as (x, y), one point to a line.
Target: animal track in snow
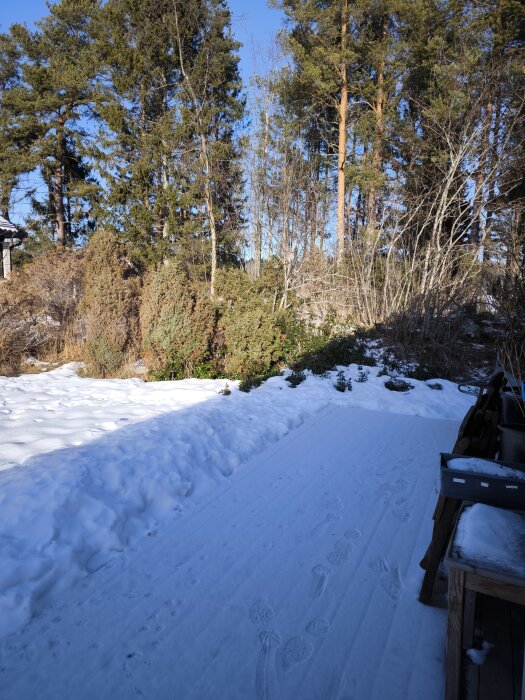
(269, 640)
(320, 573)
(296, 650)
(318, 627)
(260, 612)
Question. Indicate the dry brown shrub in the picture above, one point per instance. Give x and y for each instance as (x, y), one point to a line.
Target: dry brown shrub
(38, 313)
(16, 336)
(54, 282)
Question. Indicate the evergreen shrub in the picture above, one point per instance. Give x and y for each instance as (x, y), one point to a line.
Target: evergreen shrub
(343, 384)
(109, 305)
(330, 352)
(397, 384)
(295, 378)
(249, 328)
(178, 324)
(362, 376)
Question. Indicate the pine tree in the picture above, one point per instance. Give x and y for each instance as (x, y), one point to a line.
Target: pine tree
(137, 100)
(15, 137)
(171, 104)
(213, 108)
(53, 100)
(318, 40)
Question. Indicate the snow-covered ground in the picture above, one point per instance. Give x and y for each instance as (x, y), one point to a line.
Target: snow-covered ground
(131, 566)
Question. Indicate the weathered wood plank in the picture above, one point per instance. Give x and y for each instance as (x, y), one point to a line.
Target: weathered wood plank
(496, 677)
(454, 631)
(517, 618)
(471, 681)
(442, 533)
(498, 589)
(523, 678)
(469, 615)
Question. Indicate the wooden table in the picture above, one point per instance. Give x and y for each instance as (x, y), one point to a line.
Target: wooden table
(467, 577)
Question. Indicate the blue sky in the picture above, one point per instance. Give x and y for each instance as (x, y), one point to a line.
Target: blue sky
(254, 24)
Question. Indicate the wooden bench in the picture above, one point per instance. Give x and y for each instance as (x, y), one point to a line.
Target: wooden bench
(473, 570)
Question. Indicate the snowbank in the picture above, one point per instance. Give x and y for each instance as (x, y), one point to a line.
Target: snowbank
(68, 500)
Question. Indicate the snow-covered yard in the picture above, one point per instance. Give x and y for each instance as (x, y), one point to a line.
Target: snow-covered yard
(165, 541)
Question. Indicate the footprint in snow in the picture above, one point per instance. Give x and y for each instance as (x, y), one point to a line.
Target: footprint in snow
(334, 686)
(401, 514)
(260, 612)
(401, 485)
(392, 584)
(379, 566)
(318, 627)
(352, 534)
(334, 504)
(337, 558)
(263, 678)
(295, 651)
(390, 490)
(320, 573)
(330, 518)
(340, 554)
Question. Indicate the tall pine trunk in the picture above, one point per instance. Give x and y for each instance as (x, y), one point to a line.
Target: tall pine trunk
(341, 153)
(377, 145)
(4, 202)
(493, 156)
(204, 156)
(58, 203)
(58, 186)
(208, 198)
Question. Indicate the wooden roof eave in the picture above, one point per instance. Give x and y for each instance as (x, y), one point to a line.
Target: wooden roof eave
(15, 238)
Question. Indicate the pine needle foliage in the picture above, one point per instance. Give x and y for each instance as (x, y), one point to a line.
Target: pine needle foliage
(249, 326)
(178, 325)
(109, 305)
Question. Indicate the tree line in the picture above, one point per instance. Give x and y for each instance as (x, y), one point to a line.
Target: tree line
(376, 172)
(125, 113)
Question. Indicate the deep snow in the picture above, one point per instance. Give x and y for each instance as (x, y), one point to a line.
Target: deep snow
(136, 539)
